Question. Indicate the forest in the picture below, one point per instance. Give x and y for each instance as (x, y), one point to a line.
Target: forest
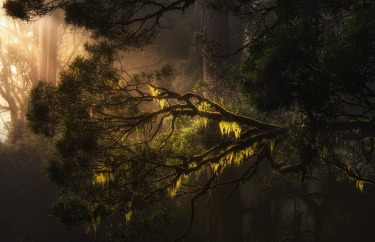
(187, 120)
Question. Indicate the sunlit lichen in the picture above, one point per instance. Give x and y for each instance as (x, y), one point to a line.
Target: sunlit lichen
(129, 213)
(215, 167)
(205, 122)
(103, 177)
(161, 102)
(227, 127)
(154, 93)
(173, 190)
(100, 178)
(235, 158)
(192, 165)
(360, 184)
(272, 145)
(128, 216)
(204, 106)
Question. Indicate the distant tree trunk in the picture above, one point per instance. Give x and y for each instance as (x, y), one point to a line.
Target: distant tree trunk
(48, 48)
(12, 105)
(224, 215)
(203, 30)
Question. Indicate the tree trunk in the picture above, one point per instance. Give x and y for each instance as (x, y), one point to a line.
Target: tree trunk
(48, 48)
(224, 215)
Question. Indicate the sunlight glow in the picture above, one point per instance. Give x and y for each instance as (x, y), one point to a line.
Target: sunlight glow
(3, 22)
(13, 69)
(29, 34)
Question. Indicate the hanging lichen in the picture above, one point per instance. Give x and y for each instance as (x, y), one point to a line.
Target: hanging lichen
(103, 177)
(228, 127)
(129, 213)
(360, 184)
(192, 165)
(234, 158)
(204, 107)
(272, 145)
(205, 122)
(100, 178)
(173, 190)
(161, 102)
(155, 93)
(128, 216)
(91, 113)
(215, 167)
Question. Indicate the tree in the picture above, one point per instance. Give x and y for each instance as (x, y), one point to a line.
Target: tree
(18, 68)
(26, 56)
(125, 143)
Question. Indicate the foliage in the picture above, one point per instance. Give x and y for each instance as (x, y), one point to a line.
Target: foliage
(147, 227)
